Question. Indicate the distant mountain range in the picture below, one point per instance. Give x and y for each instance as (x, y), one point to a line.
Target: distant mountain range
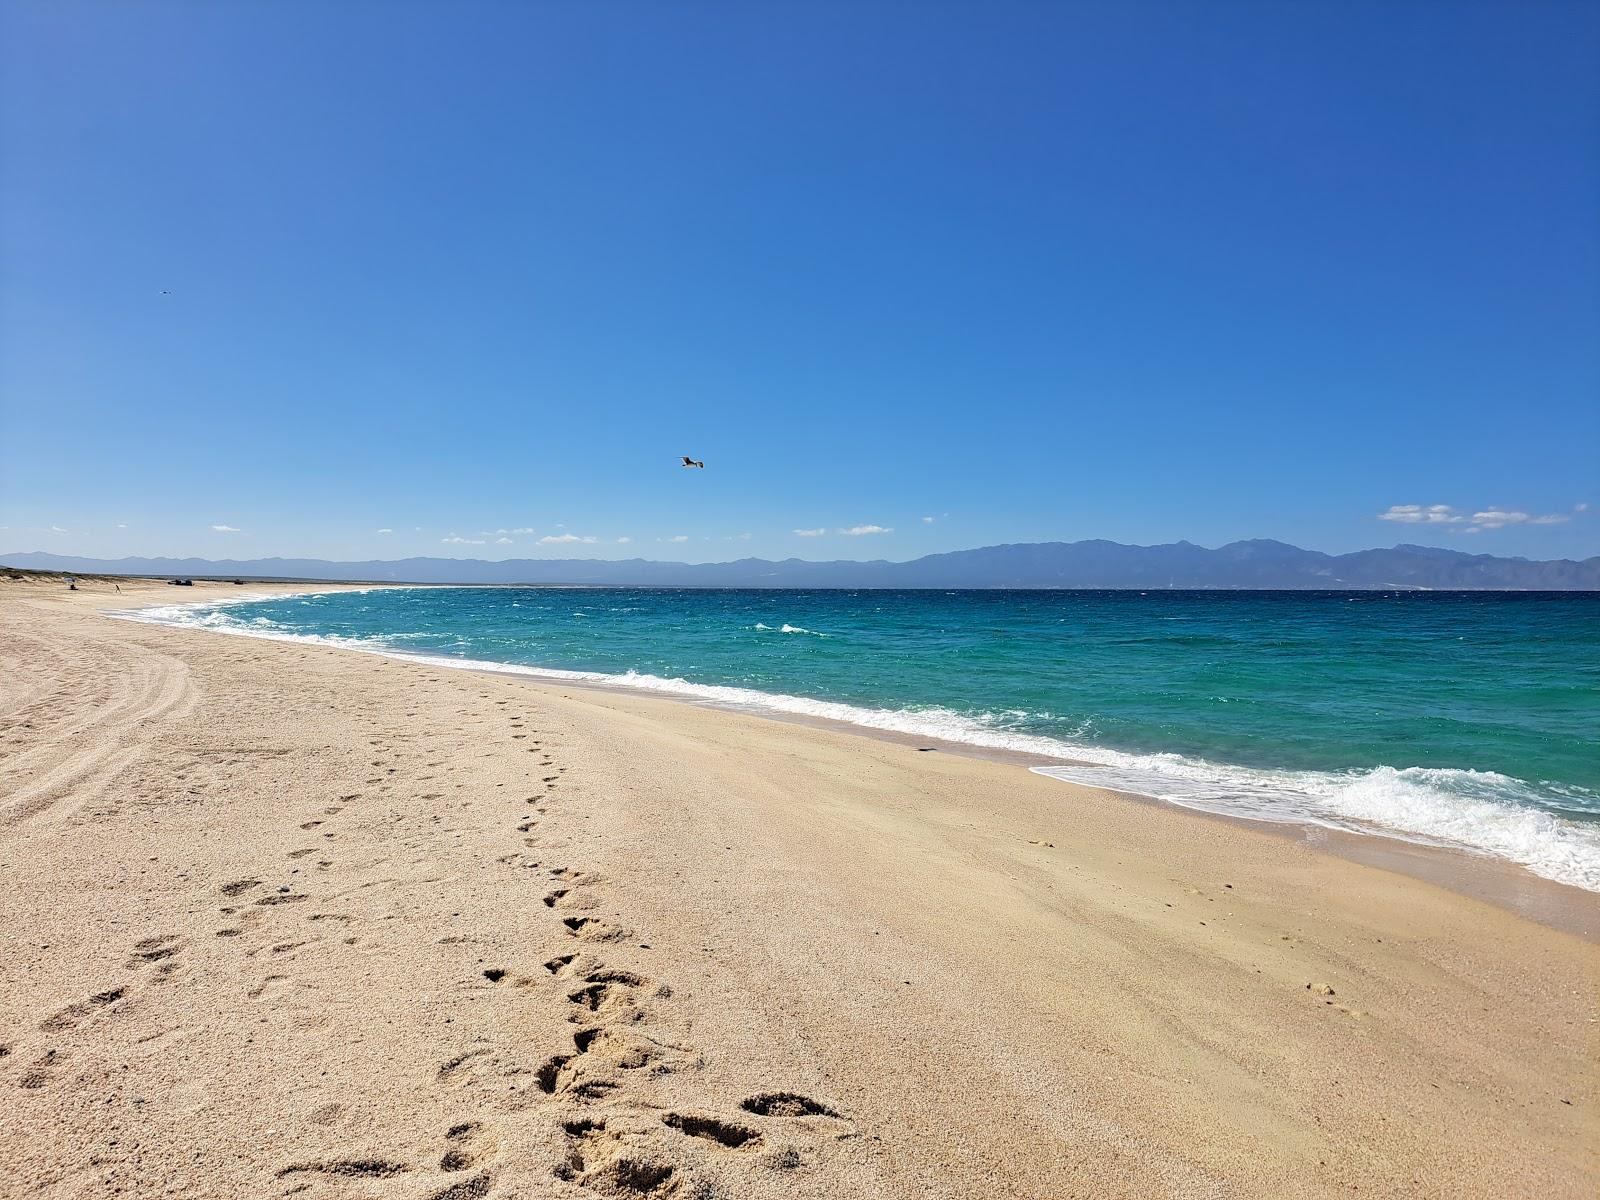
(1254, 564)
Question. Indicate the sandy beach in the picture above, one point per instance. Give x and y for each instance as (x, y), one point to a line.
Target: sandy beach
(285, 920)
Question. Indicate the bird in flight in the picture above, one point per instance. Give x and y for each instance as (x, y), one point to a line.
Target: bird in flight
(689, 462)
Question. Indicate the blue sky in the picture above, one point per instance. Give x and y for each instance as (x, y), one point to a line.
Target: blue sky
(277, 277)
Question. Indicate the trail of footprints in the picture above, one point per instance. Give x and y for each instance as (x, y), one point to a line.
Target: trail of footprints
(464, 1146)
(68, 1026)
(613, 1140)
(616, 1142)
(159, 953)
(83, 1018)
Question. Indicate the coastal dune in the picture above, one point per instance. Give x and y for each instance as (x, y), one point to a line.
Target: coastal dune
(290, 920)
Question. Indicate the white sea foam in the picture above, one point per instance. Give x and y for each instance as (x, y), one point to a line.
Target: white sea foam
(1479, 811)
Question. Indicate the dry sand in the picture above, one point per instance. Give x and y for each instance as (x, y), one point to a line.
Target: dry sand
(284, 920)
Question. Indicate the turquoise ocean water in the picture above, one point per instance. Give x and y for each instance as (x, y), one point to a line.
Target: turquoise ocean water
(1471, 719)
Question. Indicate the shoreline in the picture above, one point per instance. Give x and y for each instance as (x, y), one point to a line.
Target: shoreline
(1461, 869)
(289, 921)
(1508, 885)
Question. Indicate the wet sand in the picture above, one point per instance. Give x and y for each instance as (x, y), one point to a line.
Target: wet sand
(287, 920)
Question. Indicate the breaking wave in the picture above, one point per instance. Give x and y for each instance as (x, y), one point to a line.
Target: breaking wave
(1479, 811)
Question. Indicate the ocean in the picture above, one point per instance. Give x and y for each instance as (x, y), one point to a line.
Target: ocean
(1464, 719)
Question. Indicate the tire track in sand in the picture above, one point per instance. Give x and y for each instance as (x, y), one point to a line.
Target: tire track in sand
(96, 734)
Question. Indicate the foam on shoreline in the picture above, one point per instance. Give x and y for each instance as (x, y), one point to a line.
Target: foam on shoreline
(1478, 811)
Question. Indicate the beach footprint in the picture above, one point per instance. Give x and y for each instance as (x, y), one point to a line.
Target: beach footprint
(730, 1135)
(591, 929)
(155, 949)
(614, 1162)
(74, 1015)
(463, 1149)
(786, 1104)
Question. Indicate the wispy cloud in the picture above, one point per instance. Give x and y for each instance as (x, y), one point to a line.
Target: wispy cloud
(565, 539)
(809, 532)
(58, 529)
(385, 531)
(623, 541)
(225, 529)
(457, 540)
(1419, 514)
(864, 530)
(927, 520)
(1499, 518)
(1474, 522)
(502, 541)
(681, 537)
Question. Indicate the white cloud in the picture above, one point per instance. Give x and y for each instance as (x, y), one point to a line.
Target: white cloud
(224, 529)
(1418, 514)
(1499, 518)
(1488, 518)
(385, 531)
(682, 537)
(455, 540)
(809, 532)
(58, 529)
(564, 539)
(623, 541)
(927, 520)
(1496, 518)
(521, 529)
(864, 530)
(121, 526)
(1584, 507)
(502, 541)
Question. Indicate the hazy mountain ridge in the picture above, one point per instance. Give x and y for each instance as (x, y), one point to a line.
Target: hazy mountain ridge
(1255, 563)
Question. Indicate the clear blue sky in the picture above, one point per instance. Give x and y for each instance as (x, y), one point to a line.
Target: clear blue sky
(1137, 271)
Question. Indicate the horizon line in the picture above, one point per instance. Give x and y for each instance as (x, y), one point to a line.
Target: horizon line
(1181, 542)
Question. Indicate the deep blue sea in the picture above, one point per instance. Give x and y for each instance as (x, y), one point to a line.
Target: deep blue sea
(1471, 719)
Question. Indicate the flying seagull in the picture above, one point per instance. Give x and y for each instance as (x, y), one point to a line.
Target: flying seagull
(689, 462)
